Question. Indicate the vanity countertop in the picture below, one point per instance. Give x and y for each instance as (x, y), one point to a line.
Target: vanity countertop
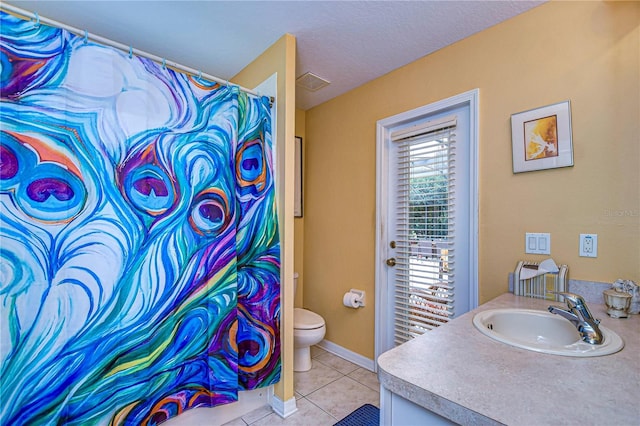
(469, 378)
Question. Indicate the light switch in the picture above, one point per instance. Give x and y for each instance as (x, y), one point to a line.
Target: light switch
(542, 244)
(537, 243)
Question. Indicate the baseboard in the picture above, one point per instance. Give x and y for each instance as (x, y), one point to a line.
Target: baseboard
(284, 408)
(351, 356)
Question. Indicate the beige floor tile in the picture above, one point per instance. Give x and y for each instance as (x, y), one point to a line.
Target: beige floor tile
(236, 422)
(366, 377)
(332, 389)
(342, 396)
(307, 415)
(317, 351)
(257, 414)
(334, 361)
(312, 380)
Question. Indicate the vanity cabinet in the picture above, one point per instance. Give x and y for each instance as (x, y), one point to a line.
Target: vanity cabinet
(456, 374)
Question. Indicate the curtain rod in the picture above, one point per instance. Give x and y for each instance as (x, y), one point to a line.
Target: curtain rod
(105, 41)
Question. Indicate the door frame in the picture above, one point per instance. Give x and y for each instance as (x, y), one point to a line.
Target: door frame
(384, 309)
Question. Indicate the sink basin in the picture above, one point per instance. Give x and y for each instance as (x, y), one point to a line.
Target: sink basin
(542, 331)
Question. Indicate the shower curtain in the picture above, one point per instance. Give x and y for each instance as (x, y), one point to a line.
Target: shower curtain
(139, 250)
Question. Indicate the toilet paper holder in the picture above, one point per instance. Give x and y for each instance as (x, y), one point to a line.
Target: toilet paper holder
(354, 298)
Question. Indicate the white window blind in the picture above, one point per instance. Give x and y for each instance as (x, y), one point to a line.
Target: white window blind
(425, 227)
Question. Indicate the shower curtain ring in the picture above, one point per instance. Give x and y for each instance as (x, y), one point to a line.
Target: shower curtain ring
(86, 37)
(37, 19)
(199, 74)
(164, 64)
(130, 51)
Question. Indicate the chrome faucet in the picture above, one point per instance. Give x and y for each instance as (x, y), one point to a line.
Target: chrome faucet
(580, 316)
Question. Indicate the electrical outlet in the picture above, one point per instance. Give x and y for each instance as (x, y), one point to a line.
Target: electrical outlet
(588, 245)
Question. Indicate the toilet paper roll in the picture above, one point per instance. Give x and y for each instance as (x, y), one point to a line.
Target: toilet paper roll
(349, 300)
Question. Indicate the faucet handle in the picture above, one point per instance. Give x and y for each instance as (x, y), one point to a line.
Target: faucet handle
(577, 304)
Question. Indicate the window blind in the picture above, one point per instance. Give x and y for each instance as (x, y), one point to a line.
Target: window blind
(425, 227)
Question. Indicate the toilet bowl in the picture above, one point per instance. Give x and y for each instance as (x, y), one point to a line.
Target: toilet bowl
(308, 329)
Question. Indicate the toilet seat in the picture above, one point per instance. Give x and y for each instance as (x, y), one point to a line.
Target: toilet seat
(306, 320)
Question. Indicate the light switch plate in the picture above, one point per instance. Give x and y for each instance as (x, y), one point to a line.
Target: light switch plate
(537, 243)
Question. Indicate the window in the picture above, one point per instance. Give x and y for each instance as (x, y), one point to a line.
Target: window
(425, 227)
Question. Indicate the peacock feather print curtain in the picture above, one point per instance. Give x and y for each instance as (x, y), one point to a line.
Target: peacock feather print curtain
(139, 249)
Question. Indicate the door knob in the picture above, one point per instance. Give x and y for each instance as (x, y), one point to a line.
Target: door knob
(391, 261)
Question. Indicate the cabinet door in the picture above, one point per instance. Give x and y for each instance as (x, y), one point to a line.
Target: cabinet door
(405, 413)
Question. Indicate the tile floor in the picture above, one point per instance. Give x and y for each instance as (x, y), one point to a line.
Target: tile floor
(332, 389)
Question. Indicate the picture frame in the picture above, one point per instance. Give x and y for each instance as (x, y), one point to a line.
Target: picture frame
(298, 195)
(541, 138)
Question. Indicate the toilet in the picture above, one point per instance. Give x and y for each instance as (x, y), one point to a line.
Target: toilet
(308, 329)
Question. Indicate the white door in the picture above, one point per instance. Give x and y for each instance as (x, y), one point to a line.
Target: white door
(426, 272)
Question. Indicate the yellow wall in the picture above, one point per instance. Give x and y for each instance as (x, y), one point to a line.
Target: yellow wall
(586, 52)
(299, 221)
(280, 59)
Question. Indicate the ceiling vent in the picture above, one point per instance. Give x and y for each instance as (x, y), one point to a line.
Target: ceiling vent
(311, 82)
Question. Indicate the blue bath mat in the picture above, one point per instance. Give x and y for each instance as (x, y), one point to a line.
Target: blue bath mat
(367, 415)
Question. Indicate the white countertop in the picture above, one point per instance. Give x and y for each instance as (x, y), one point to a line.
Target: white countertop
(469, 378)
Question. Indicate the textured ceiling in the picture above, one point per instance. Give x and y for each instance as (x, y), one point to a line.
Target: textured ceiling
(345, 42)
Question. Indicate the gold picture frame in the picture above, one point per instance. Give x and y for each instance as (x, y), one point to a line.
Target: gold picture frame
(541, 138)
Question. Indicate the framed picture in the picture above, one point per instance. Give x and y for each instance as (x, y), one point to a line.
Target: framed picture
(541, 138)
(297, 207)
